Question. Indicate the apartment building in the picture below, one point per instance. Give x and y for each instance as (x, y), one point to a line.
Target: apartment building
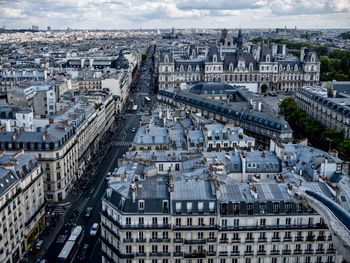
(15, 118)
(66, 145)
(22, 204)
(262, 126)
(174, 218)
(332, 112)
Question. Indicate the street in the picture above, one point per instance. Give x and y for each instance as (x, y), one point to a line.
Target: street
(92, 195)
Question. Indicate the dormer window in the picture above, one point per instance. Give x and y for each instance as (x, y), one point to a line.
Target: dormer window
(189, 207)
(313, 58)
(189, 68)
(288, 67)
(181, 68)
(215, 58)
(197, 68)
(230, 67)
(141, 204)
(296, 68)
(250, 66)
(166, 59)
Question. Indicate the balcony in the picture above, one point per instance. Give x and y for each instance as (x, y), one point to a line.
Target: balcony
(223, 240)
(331, 251)
(141, 240)
(194, 255)
(321, 238)
(310, 238)
(195, 241)
(262, 239)
(298, 251)
(286, 252)
(249, 240)
(234, 253)
(276, 239)
(287, 239)
(159, 254)
(299, 238)
(275, 252)
(178, 254)
(260, 253)
(223, 253)
(320, 251)
(308, 251)
(178, 240)
(212, 240)
(248, 253)
(140, 254)
(211, 253)
(234, 240)
(128, 240)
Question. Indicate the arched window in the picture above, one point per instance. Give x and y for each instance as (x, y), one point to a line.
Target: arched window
(181, 67)
(250, 66)
(295, 67)
(288, 67)
(166, 59)
(267, 58)
(313, 58)
(189, 68)
(197, 68)
(230, 67)
(215, 58)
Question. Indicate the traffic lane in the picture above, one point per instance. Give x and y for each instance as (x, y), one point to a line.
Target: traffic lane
(56, 247)
(95, 201)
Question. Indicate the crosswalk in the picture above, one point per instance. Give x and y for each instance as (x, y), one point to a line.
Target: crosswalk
(81, 205)
(61, 210)
(121, 144)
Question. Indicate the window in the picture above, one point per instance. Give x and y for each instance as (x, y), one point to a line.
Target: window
(161, 167)
(211, 221)
(141, 220)
(200, 207)
(178, 221)
(211, 206)
(189, 207)
(189, 221)
(154, 220)
(200, 221)
(141, 204)
(128, 249)
(128, 221)
(178, 207)
(165, 221)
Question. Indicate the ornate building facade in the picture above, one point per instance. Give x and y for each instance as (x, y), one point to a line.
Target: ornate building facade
(269, 67)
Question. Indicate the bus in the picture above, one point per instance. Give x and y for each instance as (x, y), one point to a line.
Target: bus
(70, 248)
(147, 99)
(134, 108)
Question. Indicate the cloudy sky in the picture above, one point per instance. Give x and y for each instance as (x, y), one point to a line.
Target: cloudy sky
(125, 14)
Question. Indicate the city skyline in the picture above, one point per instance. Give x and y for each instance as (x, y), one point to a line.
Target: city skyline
(118, 14)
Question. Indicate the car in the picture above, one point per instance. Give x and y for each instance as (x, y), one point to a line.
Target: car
(83, 252)
(133, 130)
(88, 212)
(94, 229)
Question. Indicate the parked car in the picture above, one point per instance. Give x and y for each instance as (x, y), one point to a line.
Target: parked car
(133, 130)
(83, 253)
(94, 229)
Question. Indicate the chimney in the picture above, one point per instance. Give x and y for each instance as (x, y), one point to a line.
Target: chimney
(302, 54)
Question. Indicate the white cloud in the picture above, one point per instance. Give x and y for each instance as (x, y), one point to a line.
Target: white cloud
(179, 13)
